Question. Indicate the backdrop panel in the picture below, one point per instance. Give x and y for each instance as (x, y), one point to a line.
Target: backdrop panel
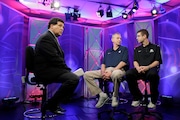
(169, 40)
(13, 30)
(93, 42)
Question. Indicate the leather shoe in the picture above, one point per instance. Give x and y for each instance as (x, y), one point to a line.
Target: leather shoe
(54, 110)
(61, 109)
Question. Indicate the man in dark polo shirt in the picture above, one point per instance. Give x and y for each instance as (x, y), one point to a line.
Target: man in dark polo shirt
(147, 59)
(113, 67)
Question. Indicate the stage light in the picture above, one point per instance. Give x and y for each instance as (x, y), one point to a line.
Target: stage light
(162, 10)
(154, 11)
(100, 11)
(44, 2)
(124, 15)
(109, 12)
(68, 14)
(55, 5)
(76, 14)
(135, 6)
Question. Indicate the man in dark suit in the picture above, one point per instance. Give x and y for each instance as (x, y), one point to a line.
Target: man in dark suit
(50, 66)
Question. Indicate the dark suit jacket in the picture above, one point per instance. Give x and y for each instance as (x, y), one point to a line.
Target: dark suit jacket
(49, 58)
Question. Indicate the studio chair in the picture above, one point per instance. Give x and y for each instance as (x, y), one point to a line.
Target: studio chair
(104, 85)
(146, 112)
(36, 113)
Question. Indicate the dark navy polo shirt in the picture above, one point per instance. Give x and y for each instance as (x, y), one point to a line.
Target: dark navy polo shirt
(148, 54)
(113, 57)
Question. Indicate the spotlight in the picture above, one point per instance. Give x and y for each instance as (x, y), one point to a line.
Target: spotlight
(124, 15)
(68, 14)
(109, 12)
(135, 6)
(44, 2)
(75, 14)
(154, 11)
(55, 5)
(162, 10)
(100, 11)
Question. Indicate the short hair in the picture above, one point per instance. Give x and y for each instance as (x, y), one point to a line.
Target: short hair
(144, 32)
(54, 21)
(116, 33)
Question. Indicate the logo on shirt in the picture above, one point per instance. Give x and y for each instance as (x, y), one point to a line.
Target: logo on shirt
(151, 51)
(119, 51)
(109, 53)
(139, 50)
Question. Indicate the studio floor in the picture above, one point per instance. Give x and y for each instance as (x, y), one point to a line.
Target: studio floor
(84, 109)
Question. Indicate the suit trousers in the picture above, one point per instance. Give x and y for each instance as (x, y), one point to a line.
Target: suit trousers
(69, 82)
(116, 77)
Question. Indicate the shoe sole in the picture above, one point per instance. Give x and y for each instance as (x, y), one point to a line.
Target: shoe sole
(114, 105)
(135, 105)
(152, 107)
(58, 113)
(103, 102)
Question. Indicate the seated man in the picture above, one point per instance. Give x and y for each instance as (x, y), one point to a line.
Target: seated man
(147, 59)
(50, 66)
(113, 67)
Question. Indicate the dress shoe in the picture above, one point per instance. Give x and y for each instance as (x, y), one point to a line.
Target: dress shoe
(53, 109)
(56, 111)
(61, 109)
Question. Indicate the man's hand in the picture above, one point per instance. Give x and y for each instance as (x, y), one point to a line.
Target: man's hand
(103, 74)
(138, 69)
(107, 75)
(142, 69)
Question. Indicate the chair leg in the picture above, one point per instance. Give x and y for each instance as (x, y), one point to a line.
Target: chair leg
(43, 109)
(146, 112)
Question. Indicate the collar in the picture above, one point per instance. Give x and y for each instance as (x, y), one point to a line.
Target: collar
(52, 33)
(116, 49)
(146, 45)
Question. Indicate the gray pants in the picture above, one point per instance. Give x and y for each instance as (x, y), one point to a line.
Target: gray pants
(116, 77)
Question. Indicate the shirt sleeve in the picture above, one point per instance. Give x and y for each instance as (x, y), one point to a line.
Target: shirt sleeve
(158, 55)
(104, 58)
(125, 55)
(135, 54)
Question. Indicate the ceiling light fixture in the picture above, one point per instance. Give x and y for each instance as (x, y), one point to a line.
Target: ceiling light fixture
(162, 10)
(135, 6)
(44, 2)
(124, 15)
(109, 12)
(68, 14)
(55, 5)
(100, 11)
(76, 14)
(154, 11)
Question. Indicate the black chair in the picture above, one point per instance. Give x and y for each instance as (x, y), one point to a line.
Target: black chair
(37, 112)
(104, 85)
(145, 113)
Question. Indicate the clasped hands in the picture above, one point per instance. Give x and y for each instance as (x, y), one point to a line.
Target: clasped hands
(106, 75)
(142, 69)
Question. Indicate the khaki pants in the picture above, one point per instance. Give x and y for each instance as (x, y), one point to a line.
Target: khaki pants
(116, 77)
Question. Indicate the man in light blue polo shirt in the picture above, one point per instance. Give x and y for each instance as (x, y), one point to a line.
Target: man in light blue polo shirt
(113, 67)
